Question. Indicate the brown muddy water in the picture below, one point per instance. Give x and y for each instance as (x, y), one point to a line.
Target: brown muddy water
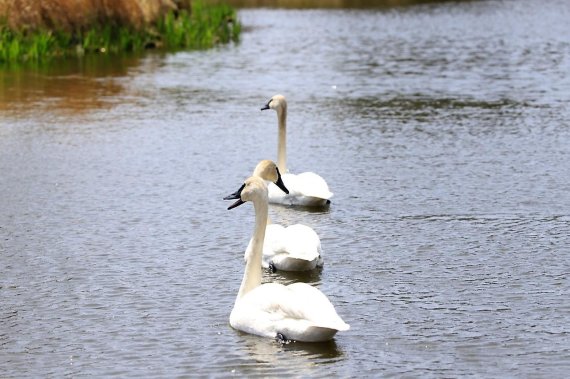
(442, 130)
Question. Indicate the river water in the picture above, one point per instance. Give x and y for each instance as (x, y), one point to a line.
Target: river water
(443, 131)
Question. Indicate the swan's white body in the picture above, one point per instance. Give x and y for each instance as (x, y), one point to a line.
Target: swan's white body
(293, 248)
(298, 311)
(306, 189)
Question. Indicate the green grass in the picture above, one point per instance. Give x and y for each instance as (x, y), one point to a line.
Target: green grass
(205, 27)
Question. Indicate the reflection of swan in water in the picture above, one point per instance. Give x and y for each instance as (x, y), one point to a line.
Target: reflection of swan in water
(306, 189)
(296, 247)
(300, 357)
(324, 350)
(312, 277)
(299, 311)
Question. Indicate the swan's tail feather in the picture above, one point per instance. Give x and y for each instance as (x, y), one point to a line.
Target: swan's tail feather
(337, 323)
(318, 334)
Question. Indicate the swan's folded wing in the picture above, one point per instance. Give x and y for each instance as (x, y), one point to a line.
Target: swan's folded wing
(308, 303)
(311, 184)
(302, 242)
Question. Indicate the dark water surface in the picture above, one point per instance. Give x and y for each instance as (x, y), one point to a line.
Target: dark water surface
(443, 131)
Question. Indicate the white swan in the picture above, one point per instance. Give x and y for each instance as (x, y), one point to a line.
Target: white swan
(308, 188)
(296, 312)
(293, 248)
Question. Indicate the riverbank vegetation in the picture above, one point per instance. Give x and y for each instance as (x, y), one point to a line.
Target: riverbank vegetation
(81, 27)
(327, 4)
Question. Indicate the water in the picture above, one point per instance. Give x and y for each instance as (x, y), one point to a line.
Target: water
(441, 129)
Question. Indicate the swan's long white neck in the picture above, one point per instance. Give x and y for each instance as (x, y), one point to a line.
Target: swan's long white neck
(282, 140)
(252, 274)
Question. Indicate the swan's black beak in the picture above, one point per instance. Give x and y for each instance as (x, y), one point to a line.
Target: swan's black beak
(266, 106)
(235, 195)
(279, 183)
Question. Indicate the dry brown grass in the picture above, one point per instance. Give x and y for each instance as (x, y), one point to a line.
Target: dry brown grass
(73, 15)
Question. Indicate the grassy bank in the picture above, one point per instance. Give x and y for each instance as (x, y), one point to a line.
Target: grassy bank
(203, 26)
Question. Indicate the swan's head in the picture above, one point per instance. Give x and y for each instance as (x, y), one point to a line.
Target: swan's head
(268, 170)
(277, 103)
(253, 189)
